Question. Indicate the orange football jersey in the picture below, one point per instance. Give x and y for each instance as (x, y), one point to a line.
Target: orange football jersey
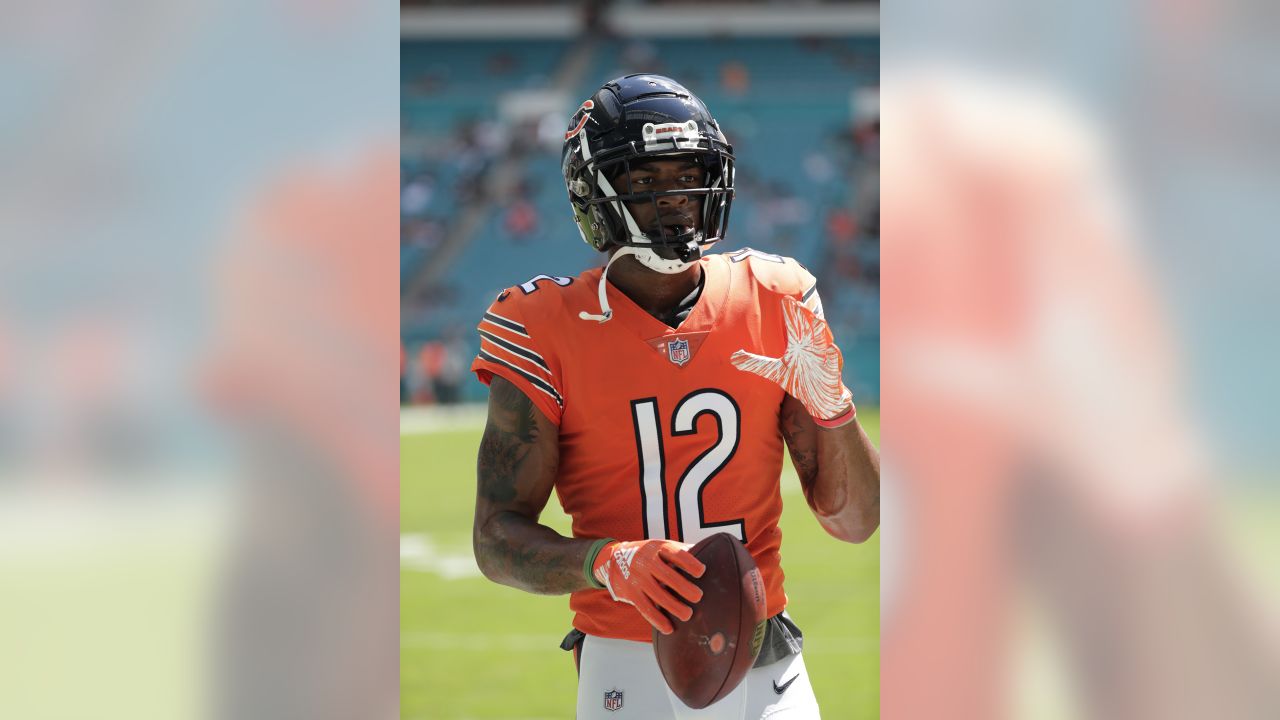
(660, 436)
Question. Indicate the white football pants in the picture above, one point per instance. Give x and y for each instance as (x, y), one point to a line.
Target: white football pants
(611, 666)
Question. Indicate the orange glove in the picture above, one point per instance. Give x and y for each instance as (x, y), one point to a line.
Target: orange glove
(809, 370)
(643, 573)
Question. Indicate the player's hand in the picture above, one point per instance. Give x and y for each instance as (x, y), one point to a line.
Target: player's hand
(810, 369)
(643, 573)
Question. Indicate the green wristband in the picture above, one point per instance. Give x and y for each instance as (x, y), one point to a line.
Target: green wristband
(590, 562)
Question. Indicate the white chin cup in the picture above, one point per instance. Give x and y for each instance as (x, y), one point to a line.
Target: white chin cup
(650, 259)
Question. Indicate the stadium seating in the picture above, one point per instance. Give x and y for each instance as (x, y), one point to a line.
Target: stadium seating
(445, 81)
(783, 102)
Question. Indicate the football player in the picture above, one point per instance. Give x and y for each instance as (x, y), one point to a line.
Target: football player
(654, 395)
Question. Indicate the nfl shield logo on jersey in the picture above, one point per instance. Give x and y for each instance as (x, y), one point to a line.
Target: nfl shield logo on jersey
(678, 351)
(613, 700)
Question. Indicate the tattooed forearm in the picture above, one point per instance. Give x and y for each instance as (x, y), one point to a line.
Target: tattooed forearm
(514, 550)
(839, 471)
(845, 494)
(515, 470)
(800, 433)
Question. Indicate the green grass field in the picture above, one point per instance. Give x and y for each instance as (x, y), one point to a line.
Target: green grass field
(472, 649)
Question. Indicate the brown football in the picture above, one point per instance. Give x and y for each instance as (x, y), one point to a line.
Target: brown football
(709, 654)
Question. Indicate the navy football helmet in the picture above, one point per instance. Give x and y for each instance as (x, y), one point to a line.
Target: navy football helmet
(630, 121)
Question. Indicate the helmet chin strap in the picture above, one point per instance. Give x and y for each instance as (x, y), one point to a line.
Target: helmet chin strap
(641, 254)
(605, 312)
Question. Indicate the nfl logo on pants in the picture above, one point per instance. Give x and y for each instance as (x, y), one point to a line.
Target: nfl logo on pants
(613, 700)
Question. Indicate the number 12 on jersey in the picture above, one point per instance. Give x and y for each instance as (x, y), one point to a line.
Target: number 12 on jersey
(690, 522)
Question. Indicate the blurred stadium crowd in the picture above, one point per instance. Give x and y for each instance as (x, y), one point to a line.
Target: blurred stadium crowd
(483, 200)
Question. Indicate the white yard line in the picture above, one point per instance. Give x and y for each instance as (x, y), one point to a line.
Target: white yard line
(433, 419)
(419, 552)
